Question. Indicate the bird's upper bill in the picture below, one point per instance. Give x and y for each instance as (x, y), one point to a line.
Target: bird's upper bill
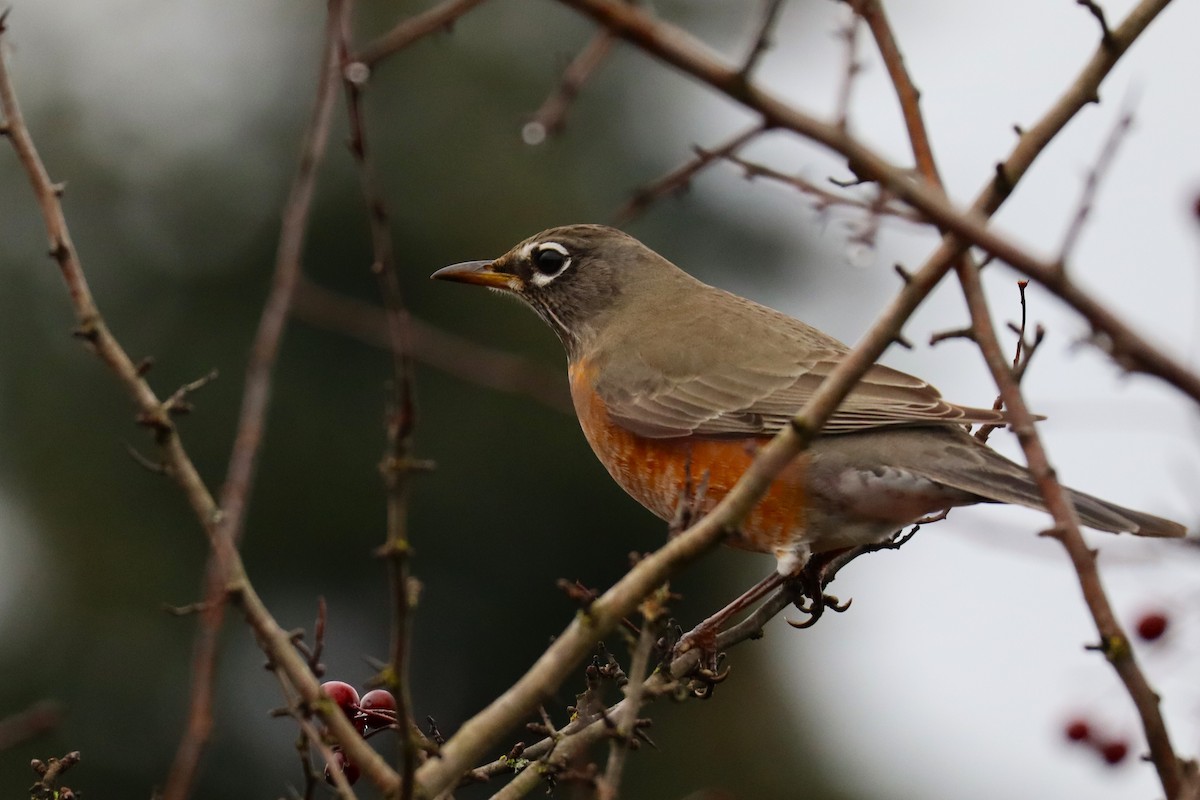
(481, 273)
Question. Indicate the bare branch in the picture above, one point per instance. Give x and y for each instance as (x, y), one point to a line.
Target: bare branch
(550, 118)
(824, 198)
(439, 18)
(256, 396)
(1113, 641)
(873, 14)
(850, 71)
(1091, 185)
(678, 179)
(626, 719)
(35, 720)
(433, 346)
(762, 39)
(397, 466)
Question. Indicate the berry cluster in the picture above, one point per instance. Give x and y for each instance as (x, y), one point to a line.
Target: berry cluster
(373, 712)
(1113, 751)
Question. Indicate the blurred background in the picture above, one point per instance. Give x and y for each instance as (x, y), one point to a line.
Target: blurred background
(176, 127)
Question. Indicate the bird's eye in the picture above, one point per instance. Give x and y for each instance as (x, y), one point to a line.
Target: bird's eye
(550, 258)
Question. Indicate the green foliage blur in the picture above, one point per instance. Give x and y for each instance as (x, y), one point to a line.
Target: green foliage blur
(178, 242)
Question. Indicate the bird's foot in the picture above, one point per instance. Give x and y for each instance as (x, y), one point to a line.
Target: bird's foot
(808, 588)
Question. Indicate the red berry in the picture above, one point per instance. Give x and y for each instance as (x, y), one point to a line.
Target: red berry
(1114, 752)
(348, 768)
(378, 698)
(1078, 731)
(379, 708)
(1152, 625)
(343, 694)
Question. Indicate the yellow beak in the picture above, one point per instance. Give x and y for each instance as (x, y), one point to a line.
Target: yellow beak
(480, 273)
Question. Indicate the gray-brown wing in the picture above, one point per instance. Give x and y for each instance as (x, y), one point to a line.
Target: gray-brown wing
(759, 396)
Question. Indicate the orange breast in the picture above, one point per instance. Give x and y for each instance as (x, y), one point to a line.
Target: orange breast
(657, 472)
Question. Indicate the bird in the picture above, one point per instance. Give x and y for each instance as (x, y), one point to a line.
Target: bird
(677, 383)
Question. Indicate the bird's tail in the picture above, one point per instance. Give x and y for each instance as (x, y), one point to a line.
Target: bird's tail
(956, 460)
(1004, 481)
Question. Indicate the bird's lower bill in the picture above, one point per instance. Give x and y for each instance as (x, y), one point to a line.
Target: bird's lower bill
(480, 273)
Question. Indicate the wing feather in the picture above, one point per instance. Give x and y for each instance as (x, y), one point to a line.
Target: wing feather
(746, 386)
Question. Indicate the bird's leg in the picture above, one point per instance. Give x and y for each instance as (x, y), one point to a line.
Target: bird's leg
(704, 635)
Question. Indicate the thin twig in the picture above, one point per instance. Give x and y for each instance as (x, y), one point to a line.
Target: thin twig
(850, 71)
(256, 395)
(762, 38)
(873, 14)
(397, 466)
(39, 718)
(1024, 350)
(825, 198)
(550, 118)
(678, 179)
(439, 18)
(1091, 185)
(622, 739)
(433, 346)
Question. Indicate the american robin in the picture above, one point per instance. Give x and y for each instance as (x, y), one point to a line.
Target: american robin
(676, 382)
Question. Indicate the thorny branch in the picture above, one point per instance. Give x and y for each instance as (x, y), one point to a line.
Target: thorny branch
(626, 719)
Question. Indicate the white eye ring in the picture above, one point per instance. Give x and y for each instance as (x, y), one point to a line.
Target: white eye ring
(549, 260)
